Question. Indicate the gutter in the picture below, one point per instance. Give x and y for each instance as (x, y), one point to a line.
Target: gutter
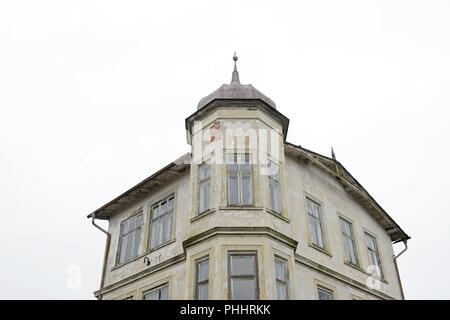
(396, 267)
(105, 257)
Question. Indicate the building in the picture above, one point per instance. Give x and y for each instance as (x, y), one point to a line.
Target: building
(247, 215)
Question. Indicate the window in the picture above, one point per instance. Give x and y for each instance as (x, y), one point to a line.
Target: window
(315, 223)
(281, 278)
(130, 237)
(158, 293)
(324, 294)
(240, 185)
(202, 279)
(242, 276)
(274, 187)
(374, 258)
(349, 242)
(204, 173)
(161, 222)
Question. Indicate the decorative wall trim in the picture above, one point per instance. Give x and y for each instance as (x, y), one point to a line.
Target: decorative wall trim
(240, 231)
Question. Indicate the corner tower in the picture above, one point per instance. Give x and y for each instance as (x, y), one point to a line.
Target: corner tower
(236, 128)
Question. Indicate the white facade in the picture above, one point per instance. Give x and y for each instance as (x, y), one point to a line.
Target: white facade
(226, 230)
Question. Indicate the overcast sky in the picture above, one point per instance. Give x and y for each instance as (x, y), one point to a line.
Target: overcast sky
(93, 97)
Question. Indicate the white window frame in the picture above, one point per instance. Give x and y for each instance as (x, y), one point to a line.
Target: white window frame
(157, 289)
(232, 276)
(374, 255)
(274, 179)
(203, 180)
(349, 238)
(326, 291)
(239, 173)
(167, 215)
(284, 282)
(317, 223)
(127, 235)
(197, 283)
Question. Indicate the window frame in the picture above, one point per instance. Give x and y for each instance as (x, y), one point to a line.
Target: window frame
(286, 281)
(141, 227)
(319, 204)
(239, 174)
(353, 239)
(276, 180)
(326, 290)
(197, 263)
(158, 203)
(377, 252)
(199, 183)
(243, 276)
(157, 288)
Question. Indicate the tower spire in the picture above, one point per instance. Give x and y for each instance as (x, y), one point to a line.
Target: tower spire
(235, 76)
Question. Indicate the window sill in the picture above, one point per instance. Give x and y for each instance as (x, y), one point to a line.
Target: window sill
(240, 208)
(117, 266)
(365, 272)
(201, 215)
(160, 246)
(142, 255)
(312, 245)
(278, 215)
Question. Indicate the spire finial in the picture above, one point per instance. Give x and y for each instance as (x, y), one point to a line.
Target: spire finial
(235, 76)
(333, 156)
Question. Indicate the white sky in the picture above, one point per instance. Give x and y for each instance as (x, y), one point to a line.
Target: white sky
(93, 97)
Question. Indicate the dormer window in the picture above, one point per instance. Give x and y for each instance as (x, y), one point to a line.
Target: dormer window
(240, 182)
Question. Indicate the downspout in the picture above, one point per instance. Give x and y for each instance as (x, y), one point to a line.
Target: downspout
(105, 257)
(396, 267)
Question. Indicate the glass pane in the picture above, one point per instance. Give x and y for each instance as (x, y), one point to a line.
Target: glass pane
(247, 189)
(324, 295)
(155, 213)
(168, 229)
(153, 235)
(280, 270)
(129, 248)
(203, 291)
(242, 265)
(164, 293)
(137, 240)
(203, 270)
(347, 249)
(346, 227)
(243, 289)
(316, 211)
(163, 208)
(122, 251)
(313, 230)
(320, 241)
(232, 162)
(275, 198)
(204, 196)
(281, 291)
(232, 189)
(138, 221)
(124, 227)
(274, 171)
(170, 205)
(132, 224)
(244, 162)
(154, 295)
(309, 207)
(204, 171)
(352, 252)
